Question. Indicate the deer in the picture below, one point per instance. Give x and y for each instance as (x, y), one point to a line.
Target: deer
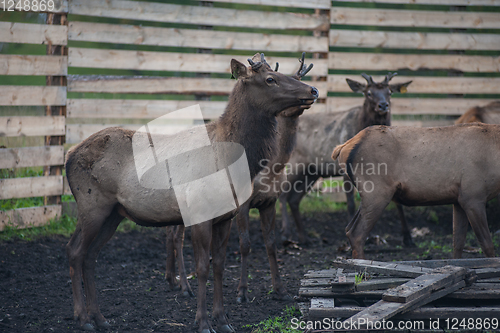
(315, 136)
(488, 114)
(103, 178)
(458, 165)
(265, 193)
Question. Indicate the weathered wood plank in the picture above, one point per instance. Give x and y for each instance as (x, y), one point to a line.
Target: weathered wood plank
(487, 273)
(414, 40)
(139, 35)
(159, 12)
(30, 187)
(380, 284)
(11, 64)
(443, 106)
(160, 85)
(394, 62)
(322, 282)
(413, 18)
(320, 4)
(382, 267)
(431, 85)
(170, 61)
(78, 133)
(146, 109)
(66, 188)
(436, 2)
(32, 95)
(383, 310)
(478, 291)
(32, 126)
(29, 217)
(11, 32)
(424, 284)
(31, 156)
(55, 6)
(468, 263)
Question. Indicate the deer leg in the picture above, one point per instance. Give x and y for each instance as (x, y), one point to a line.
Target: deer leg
(286, 232)
(351, 206)
(243, 230)
(407, 240)
(476, 212)
(359, 228)
(179, 255)
(268, 226)
(104, 235)
(220, 236)
(300, 189)
(201, 236)
(88, 226)
(170, 271)
(460, 224)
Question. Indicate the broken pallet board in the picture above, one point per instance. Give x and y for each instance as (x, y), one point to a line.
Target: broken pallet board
(391, 269)
(467, 263)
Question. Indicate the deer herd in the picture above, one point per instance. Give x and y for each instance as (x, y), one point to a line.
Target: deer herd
(457, 165)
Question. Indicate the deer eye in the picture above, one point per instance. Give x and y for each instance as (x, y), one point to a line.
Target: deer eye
(270, 80)
(369, 93)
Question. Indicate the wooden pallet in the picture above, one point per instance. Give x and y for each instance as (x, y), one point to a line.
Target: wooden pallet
(363, 291)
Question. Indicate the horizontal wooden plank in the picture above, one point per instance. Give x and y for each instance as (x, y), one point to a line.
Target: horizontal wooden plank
(436, 2)
(29, 217)
(145, 109)
(177, 62)
(139, 35)
(11, 64)
(11, 32)
(32, 126)
(66, 188)
(414, 40)
(372, 266)
(33, 95)
(161, 85)
(406, 106)
(31, 156)
(31, 187)
(413, 18)
(78, 133)
(320, 4)
(432, 85)
(159, 12)
(52, 6)
(478, 291)
(468, 263)
(394, 62)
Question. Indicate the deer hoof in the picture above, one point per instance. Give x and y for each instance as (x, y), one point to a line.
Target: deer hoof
(105, 325)
(88, 327)
(188, 293)
(227, 329)
(286, 298)
(208, 330)
(242, 299)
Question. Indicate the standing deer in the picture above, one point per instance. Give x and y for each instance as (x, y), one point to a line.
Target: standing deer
(316, 134)
(457, 165)
(266, 189)
(488, 114)
(103, 178)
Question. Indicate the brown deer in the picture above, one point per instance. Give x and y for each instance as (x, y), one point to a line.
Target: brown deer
(103, 178)
(457, 165)
(488, 114)
(265, 193)
(316, 134)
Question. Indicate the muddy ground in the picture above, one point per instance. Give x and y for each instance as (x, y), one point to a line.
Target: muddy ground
(35, 288)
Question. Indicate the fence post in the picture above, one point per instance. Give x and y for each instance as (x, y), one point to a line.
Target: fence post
(55, 19)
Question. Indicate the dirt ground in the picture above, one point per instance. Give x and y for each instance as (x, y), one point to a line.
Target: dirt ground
(35, 288)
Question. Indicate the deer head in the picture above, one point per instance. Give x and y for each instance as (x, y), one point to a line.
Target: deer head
(378, 95)
(271, 91)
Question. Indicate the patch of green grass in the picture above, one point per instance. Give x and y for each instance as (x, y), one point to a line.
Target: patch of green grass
(279, 324)
(64, 226)
(8, 204)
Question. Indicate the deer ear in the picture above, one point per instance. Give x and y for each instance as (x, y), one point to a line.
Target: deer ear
(400, 87)
(238, 70)
(356, 86)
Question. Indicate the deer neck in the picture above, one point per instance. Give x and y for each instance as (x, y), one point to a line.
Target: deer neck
(253, 128)
(287, 137)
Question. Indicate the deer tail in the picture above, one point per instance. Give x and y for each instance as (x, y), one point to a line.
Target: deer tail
(336, 151)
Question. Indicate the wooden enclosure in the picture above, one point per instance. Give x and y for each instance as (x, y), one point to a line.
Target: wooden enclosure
(124, 63)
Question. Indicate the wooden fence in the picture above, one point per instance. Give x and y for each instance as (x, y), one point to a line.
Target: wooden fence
(124, 63)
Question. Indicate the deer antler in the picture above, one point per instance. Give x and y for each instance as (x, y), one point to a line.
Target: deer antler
(255, 65)
(368, 78)
(303, 70)
(277, 65)
(389, 76)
